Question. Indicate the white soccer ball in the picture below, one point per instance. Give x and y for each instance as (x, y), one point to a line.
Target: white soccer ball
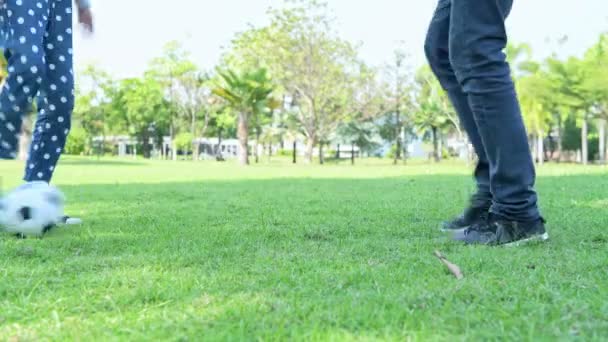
(32, 209)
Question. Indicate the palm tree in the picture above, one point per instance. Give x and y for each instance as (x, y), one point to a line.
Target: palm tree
(430, 118)
(361, 134)
(248, 94)
(535, 98)
(434, 112)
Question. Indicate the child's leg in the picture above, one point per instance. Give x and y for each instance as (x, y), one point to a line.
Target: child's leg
(23, 24)
(56, 100)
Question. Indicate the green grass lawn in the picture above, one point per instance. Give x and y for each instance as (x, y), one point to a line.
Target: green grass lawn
(206, 251)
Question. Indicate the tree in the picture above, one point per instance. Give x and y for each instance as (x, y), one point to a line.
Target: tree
(140, 105)
(181, 81)
(91, 105)
(533, 91)
(196, 103)
(434, 112)
(361, 134)
(397, 94)
(567, 81)
(221, 124)
(594, 85)
(263, 121)
(183, 142)
(248, 94)
(310, 64)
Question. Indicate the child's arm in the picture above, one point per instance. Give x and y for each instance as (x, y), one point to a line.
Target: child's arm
(85, 17)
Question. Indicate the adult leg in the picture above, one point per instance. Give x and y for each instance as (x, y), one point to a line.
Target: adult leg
(477, 40)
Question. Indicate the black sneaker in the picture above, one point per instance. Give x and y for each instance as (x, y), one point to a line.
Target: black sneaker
(495, 232)
(471, 216)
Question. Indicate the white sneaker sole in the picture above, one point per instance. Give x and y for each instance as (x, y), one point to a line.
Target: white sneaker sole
(537, 238)
(71, 221)
(460, 230)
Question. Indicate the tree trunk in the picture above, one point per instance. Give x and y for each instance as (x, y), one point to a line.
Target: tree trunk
(243, 133)
(585, 142)
(404, 152)
(439, 146)
(257, 145)
(203, 133)
(147, 147)
(435, 145)
(295, 155)
(560, 135)
(338, 153)
(269, 151)
(103, 144)
(321, 159)
(144, 146)
(195, 150)
(173, 145)
(398, 137)
(540, 147)
(310, 146)
(218, 153)
(602, 133)
(352, 154)
(195, 146)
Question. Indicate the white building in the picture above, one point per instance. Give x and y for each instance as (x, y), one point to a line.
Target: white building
(123, 144)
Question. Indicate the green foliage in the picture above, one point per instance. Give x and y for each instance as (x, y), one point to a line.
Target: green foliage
(434, 113)
(77, 142)
(138, 107)
(572, 135)
(434, 110)
(186, 88)
(572, 138)
(364, 135)
(247, 94)
(91, 106)
(284, 153)
(310, 65)
(392, 153)
(183, 141)
(319, 85)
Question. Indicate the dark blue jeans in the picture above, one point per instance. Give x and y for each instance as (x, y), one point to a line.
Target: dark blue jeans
(464, 47)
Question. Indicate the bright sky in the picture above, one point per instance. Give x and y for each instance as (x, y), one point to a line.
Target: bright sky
(132, 32)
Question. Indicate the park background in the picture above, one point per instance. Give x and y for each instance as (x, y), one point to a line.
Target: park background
(278, 169)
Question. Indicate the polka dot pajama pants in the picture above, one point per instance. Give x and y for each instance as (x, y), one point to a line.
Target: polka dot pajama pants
(38, 48)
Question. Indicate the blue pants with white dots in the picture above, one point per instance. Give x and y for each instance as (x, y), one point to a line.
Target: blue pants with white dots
(37, 38)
